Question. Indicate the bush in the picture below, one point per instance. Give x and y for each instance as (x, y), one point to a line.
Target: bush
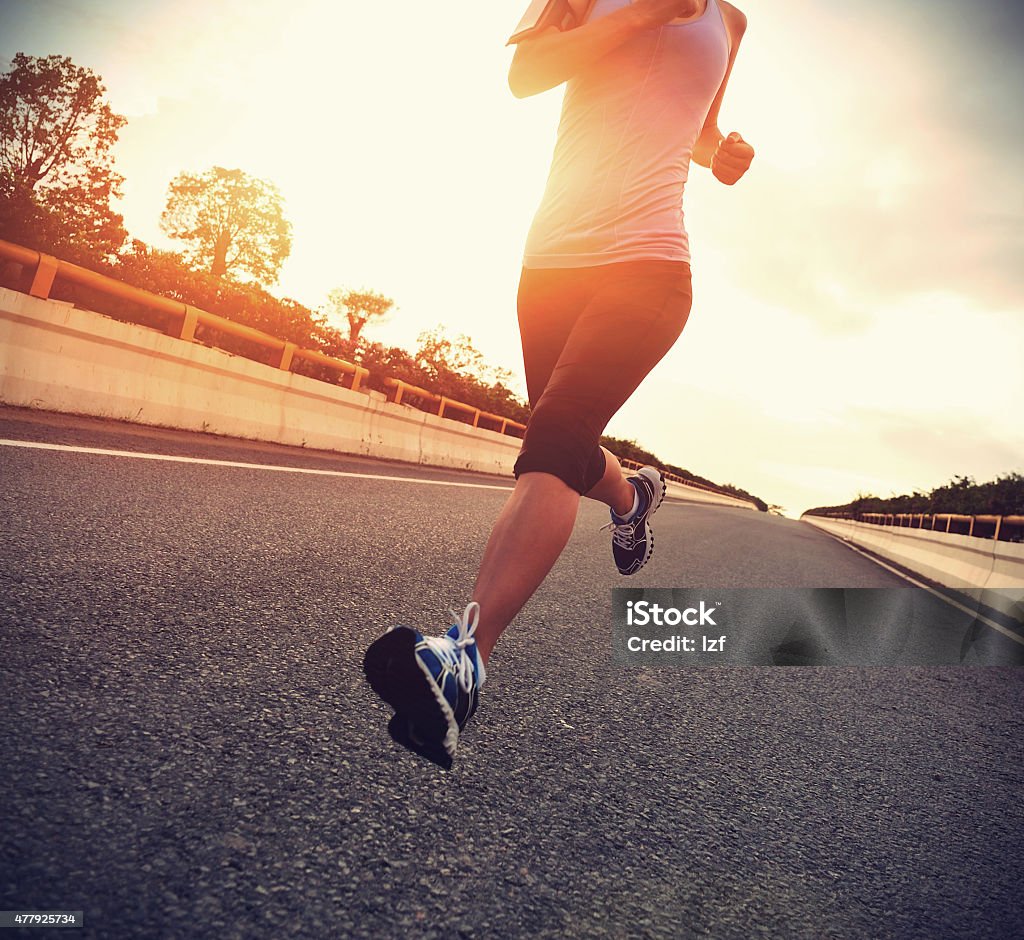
(163, 272)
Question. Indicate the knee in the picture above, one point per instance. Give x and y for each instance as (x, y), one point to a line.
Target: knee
(561, 441)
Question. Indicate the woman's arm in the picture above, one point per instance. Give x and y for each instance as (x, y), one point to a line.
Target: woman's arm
(710, 136)
(552, 57)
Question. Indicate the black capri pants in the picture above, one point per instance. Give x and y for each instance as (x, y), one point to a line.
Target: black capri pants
(590, 336)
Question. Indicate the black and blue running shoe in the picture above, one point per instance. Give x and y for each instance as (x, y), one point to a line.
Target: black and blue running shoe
(432, 683)
(632, 538)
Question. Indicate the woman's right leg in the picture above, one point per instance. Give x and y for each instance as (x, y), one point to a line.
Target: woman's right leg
(536, 522)
(532, 530)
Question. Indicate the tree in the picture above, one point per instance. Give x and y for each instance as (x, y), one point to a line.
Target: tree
(56, 161)
(358, 307)
(441, 355)
(231, 223)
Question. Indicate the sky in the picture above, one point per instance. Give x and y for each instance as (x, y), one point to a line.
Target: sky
(858, 319)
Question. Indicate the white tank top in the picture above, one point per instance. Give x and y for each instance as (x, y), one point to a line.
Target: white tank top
(626, 135)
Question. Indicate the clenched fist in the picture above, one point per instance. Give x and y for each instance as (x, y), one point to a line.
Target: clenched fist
(732, 158)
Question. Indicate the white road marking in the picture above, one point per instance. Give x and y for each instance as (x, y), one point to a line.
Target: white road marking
(906, 577)
(69, 448)
(137, 455)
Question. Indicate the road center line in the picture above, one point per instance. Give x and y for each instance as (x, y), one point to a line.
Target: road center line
(906, 577)
(136, 455)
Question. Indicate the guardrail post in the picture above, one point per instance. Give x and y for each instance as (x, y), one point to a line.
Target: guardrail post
(970, 528)
(440, 408)
(999, 522)
(949, 521)
(287, 355)
(504, 424)
(188, 324)
(42, 280)
(476, 418)
(357, 377)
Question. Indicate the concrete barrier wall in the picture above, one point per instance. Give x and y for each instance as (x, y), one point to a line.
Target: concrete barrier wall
(56, 357)
(990, 570)
(695, 494)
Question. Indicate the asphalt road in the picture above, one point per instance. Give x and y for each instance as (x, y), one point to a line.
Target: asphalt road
(189, 749)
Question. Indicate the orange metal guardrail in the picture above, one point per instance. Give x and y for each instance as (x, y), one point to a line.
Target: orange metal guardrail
(906, 520)
(398, 388)
(46, 269)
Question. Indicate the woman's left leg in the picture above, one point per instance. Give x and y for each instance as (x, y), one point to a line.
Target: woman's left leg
(612, 489)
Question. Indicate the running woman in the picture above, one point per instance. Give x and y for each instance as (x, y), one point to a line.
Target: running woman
(604, 294)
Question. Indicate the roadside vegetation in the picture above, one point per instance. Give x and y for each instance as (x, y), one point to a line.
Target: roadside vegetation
(1003, 496)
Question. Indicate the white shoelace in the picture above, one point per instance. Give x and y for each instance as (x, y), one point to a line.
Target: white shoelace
(452, 652)
(623, 533)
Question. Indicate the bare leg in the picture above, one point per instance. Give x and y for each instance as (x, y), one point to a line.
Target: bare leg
(531, 531)
(612, 488)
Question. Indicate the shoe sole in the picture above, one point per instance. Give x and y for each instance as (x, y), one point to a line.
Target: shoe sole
(395, 674)
(404, 731)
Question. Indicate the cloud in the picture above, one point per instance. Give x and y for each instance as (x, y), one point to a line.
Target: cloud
(887, 162)
(962, 441)
(836, 256)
